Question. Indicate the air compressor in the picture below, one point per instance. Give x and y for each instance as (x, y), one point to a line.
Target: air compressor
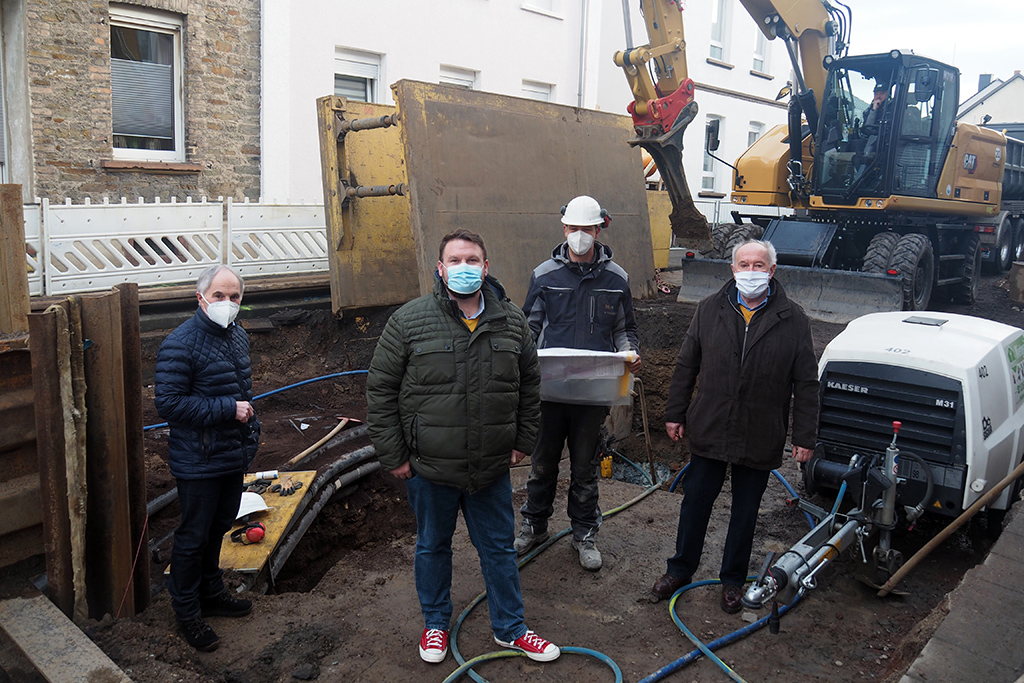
(918, 413)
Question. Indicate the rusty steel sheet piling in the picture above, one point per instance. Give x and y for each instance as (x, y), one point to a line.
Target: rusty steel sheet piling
(131, 356)
(108, 532)
(61, 464)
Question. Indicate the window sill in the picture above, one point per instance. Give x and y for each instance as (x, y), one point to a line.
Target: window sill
(157, 167)
(540, 10)
(710, 194)
(717, 62)
(761, 74)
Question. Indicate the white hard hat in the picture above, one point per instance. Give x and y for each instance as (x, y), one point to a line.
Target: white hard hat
(251, 502)
(583, 210)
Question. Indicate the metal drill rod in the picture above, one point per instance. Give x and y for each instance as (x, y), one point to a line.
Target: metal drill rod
(375, 190)
(357, 125)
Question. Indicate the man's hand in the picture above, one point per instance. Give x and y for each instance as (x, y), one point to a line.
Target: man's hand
(243, 411)
(403, 471)
(674, 430)
(517, 457)
(802, 454)
(634, 367)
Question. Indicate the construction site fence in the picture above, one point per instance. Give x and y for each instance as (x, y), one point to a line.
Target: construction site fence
(75, 248)
(88, 247)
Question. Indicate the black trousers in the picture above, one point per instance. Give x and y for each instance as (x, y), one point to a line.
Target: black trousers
(208, 510)
(701, 485)
(581, 427)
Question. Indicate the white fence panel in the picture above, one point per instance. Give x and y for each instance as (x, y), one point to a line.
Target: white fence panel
(34, 247)
(273, 239)
(94, 247)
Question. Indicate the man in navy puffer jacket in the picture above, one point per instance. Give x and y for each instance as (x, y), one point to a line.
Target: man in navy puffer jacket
(204, 390)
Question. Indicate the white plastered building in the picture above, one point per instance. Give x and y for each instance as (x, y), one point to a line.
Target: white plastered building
(555, 50)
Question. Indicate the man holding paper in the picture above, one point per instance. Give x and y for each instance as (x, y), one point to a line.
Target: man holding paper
(578, 299)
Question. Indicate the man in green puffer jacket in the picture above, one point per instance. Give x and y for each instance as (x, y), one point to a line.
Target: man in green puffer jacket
(453, 400)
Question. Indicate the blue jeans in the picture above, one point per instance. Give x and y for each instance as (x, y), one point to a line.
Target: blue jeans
(701, 485)
(208, 510)
(491, 523)
(581, 427)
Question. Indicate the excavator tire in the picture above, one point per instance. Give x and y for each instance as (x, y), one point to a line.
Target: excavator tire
(966, 292)
(912, 259)
(1004, 248)
(742, 233)
(719, 236)
(879, 251)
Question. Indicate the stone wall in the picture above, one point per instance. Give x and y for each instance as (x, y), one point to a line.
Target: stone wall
(68, 65)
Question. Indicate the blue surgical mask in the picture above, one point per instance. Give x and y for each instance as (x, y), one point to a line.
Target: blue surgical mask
(465, 278)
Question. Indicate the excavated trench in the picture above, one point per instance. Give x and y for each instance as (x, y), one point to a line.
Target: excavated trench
(366, 527)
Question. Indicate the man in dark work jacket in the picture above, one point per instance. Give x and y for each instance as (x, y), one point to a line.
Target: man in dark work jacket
(751, 349)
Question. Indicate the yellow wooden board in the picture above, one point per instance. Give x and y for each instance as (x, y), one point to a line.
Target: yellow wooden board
(277, 518)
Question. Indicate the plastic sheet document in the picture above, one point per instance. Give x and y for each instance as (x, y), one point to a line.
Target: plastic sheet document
(577, 376)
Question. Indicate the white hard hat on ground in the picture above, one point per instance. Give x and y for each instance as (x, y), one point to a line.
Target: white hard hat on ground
(583, 210)
(251, 502)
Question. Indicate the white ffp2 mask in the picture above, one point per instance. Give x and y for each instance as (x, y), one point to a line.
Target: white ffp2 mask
(580, 242)
(221, 312)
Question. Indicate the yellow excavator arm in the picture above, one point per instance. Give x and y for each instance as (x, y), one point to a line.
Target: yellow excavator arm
(663, 94)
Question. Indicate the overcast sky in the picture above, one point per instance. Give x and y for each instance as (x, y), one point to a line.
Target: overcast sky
(976, 37)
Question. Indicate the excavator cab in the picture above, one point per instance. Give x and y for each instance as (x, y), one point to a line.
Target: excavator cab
(885, 127)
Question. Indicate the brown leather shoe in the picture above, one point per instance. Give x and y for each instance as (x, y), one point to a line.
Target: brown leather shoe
(731, 596)
(666, 586)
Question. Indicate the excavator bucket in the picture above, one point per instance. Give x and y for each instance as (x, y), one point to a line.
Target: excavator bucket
(688, 224)
(834, 296)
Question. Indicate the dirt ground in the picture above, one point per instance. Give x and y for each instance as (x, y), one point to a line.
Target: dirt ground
(345, 609)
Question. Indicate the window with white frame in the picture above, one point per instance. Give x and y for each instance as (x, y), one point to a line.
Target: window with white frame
(760, 52)
(460, 78)
(707, 180)
(719, 30)
(356, 75)
(754, 132)
(535, 90)
(145, 84)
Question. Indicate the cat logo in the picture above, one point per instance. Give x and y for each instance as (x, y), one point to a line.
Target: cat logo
(970, 163)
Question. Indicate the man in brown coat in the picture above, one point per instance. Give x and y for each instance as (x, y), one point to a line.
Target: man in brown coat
(751, 349)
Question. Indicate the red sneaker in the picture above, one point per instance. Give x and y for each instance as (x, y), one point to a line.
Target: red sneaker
(433, 645)
(535, 647)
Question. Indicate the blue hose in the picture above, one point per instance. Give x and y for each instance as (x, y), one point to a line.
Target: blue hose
(648, 477)
(453, 640)
(713, 645)
(468, 666)
(278, 391)
(792, 492)
(839, 497)
(703, 649)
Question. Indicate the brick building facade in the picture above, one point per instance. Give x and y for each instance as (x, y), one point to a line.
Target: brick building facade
(146, 98)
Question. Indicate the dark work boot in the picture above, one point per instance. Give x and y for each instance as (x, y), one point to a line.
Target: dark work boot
(224, 605)
(666, 586)
(199, 634)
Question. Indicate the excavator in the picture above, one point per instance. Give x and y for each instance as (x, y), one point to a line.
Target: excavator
(892, 204)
